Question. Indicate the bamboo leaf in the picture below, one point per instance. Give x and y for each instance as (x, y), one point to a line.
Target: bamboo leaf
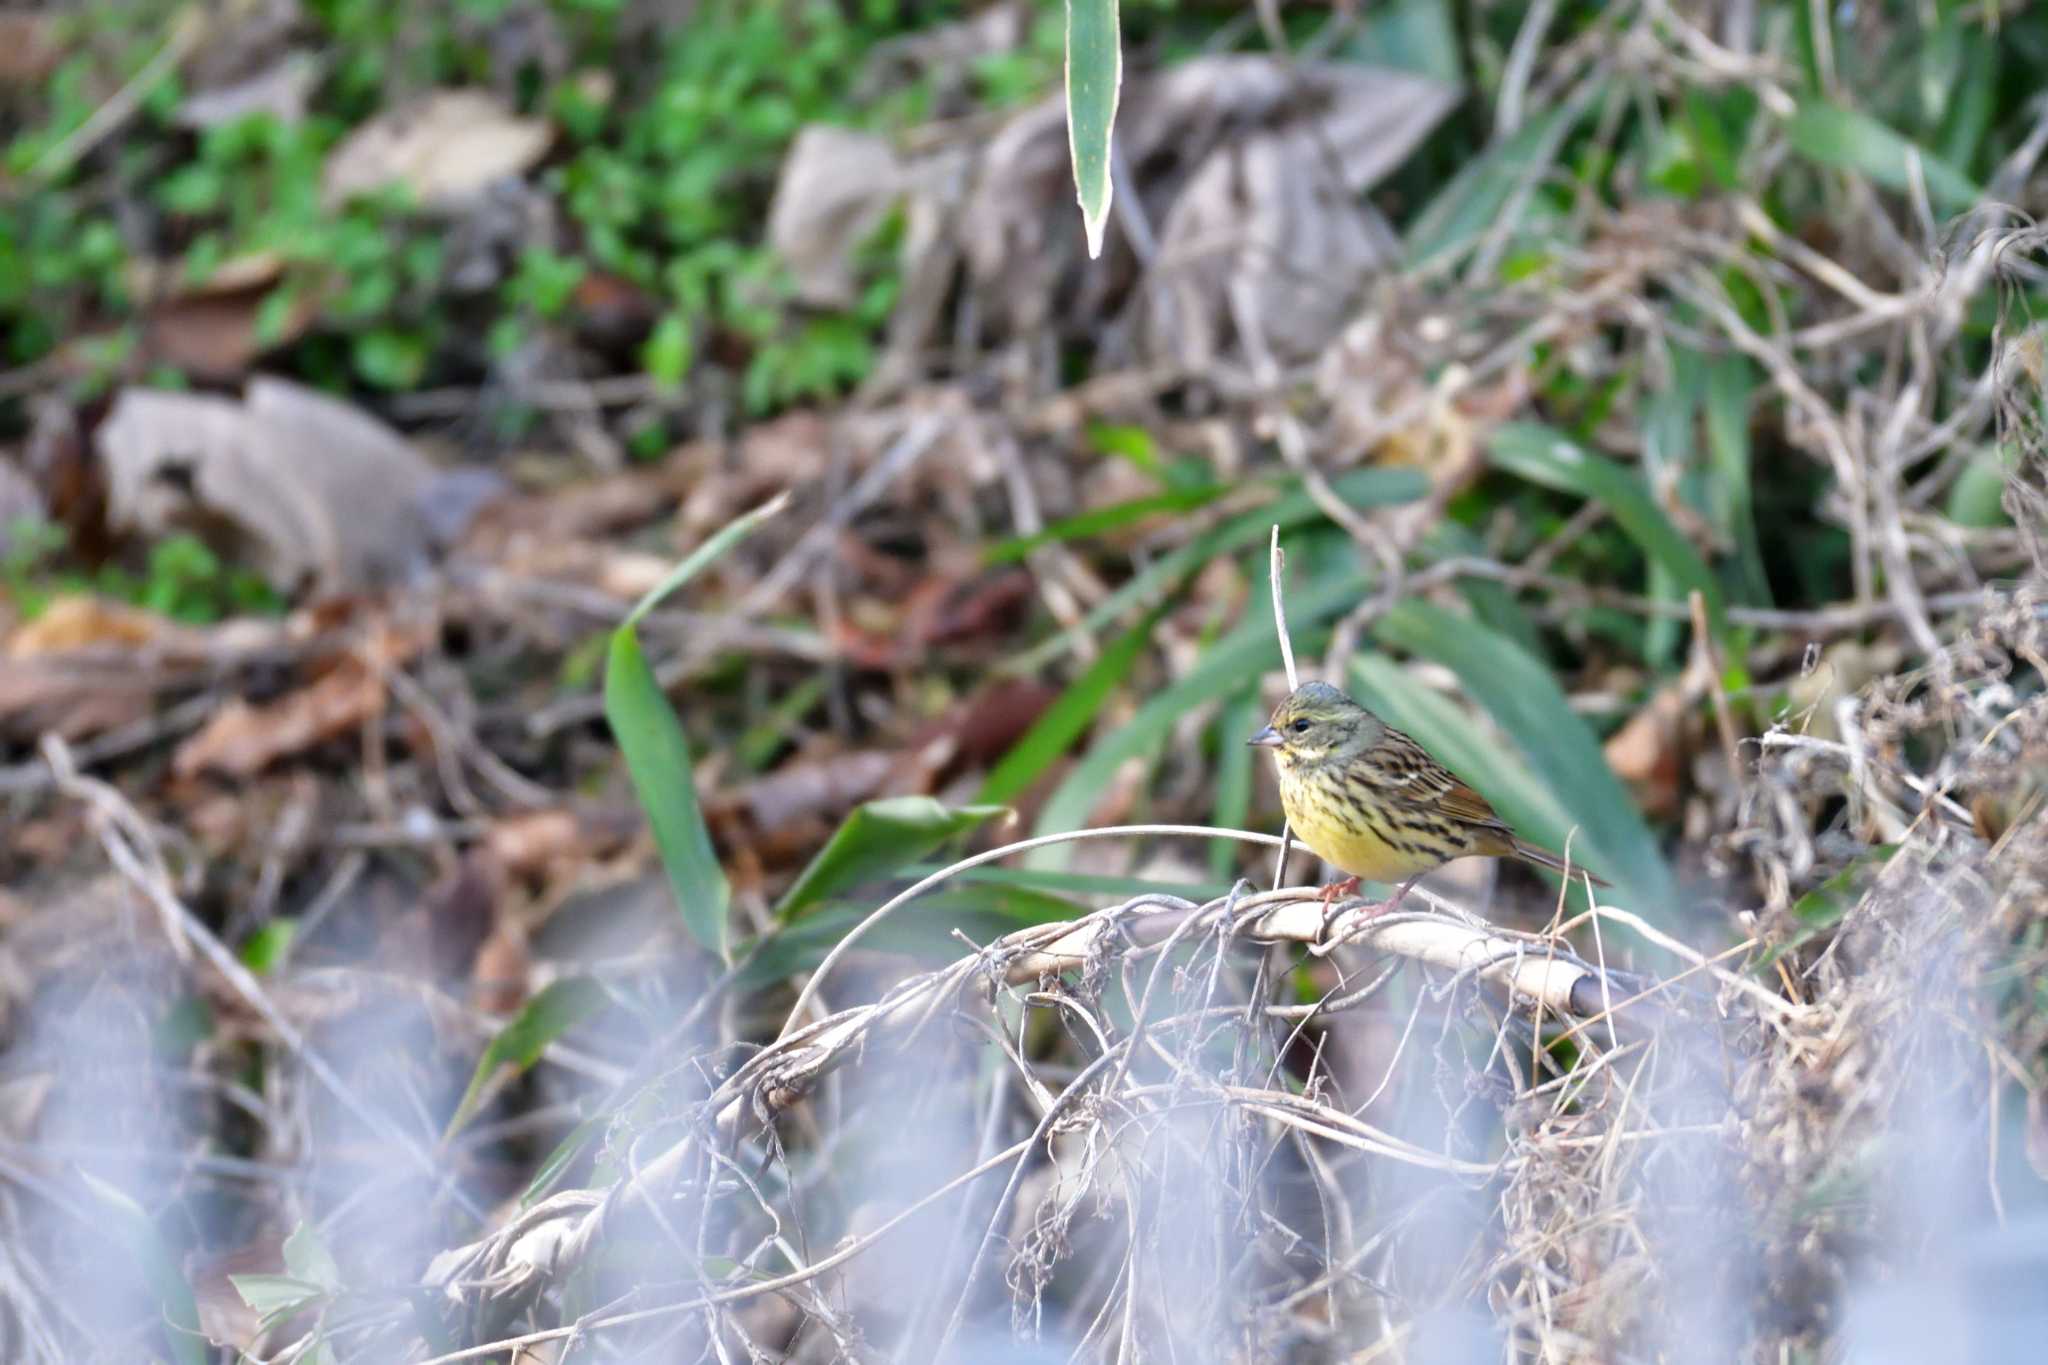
(1068, 717)
(1850, 140)
(875, 840)
(519, 1044)
(1095, 72)
(658, 761)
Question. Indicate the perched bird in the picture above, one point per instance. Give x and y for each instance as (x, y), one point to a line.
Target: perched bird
(1368, 799)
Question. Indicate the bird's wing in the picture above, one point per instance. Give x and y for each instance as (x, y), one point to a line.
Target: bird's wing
(1428, 782)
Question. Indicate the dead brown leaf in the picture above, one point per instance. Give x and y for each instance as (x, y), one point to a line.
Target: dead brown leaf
(447, 148)
(242, 739)
(84, 622)
(317, 489)
(1648, 752)
(29, 50)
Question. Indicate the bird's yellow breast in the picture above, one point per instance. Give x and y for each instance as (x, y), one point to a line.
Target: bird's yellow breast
(1328, 819)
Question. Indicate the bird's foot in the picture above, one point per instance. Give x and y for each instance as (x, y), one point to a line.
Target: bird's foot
(1337, 891)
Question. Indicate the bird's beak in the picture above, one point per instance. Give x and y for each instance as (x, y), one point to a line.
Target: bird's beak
(1268, 738)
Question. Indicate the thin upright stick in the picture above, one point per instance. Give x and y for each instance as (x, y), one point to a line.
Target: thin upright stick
(1278, 573)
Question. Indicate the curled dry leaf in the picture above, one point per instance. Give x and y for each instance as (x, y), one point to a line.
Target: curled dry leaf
(241, 740)
(320, 491)
(446, 147)
(1261, 228)
(836, 186)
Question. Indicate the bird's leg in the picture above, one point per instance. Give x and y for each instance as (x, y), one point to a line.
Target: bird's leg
(1393, 902)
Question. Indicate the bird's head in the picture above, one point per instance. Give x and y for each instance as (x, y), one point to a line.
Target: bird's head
(1317, 722)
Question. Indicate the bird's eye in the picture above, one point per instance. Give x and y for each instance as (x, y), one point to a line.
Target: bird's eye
(1300, 727)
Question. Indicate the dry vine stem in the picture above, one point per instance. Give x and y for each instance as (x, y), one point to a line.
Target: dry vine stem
(1534, 975)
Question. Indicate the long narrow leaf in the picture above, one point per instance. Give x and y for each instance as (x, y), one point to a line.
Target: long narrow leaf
(658, 760)
(1531, 709)
(1851, 140)
(1068, 717)
(1097, 520)
(1541, 455)
(1095, 73)
(875, 840)
(705, 555)
(519, 1044)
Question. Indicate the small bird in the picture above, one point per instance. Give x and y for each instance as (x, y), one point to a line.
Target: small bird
(1371, 801)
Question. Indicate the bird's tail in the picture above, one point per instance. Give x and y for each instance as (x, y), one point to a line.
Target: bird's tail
(1543, 857)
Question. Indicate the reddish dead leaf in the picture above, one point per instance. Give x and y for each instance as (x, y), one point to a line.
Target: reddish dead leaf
(1648, 751)
(216, 336)
(972, 734)
(805, 788)
(241, 740)
(498, 976)
(539, 843)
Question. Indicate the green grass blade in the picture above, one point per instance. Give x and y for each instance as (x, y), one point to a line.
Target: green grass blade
(1359, 488)
(546, 1017)
(1095, 73)
(705, 555)
(927, 928)
(873, 842)
(1471, 204)
(658, 761)
(1544, 456)
(1531, 709)
(1068, 717)
(1849, 140)
(1235, 724)
(1731, 385)
(1097, 520)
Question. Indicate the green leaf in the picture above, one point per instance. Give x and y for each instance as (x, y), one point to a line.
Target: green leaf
(875, 840)
(1850, 140)
(1095, 72)
(926, 928)
(1977, 498)
(1731, 386)
(519, 1044)
(276, 1297)
(1470, 205)
(557, 1162)
(667, 352)
(134, 1228)
(1156, 581)
(1232, 802)
(307, 1258)
(658, 761)
(1547, 457)
(658, 756)
(1070, 714)
(1828, 904)
(705, 555)
(264, 949)
(1557, 745)
(1097, 520)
